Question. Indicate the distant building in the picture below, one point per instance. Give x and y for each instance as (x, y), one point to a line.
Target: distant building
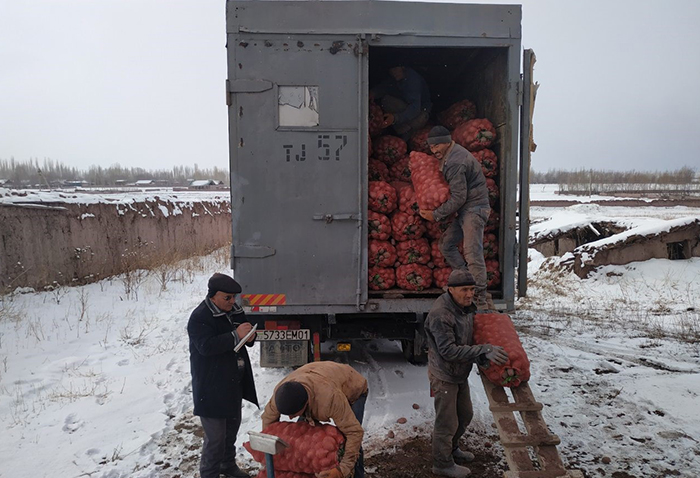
(74, 183)
(205, 184)
(5, 183)
(145, 182)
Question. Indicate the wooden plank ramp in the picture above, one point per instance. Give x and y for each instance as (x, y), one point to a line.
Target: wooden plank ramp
(530, 453)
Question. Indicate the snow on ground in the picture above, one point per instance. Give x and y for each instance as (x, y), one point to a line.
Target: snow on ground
(125, 196)
(95, 382)
(617, 363)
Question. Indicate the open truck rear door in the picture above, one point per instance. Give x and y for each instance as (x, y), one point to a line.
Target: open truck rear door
(298, 187)
(527, 146)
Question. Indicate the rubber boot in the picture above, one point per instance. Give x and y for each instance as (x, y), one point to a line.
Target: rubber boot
(454, 471)
(234, 472)
(462, 456)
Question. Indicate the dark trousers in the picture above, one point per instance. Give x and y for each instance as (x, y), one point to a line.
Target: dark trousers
(358, 408)
(219, 449)
(453, 413)
(468, 229)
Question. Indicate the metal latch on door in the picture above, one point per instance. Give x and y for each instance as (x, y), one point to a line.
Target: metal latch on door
(329, 218)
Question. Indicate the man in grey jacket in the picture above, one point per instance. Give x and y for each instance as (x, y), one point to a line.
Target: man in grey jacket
(469, 198)
(449, 328)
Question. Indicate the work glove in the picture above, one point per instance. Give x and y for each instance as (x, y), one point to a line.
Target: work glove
(427, 214)
(332, 473)
(497, 355)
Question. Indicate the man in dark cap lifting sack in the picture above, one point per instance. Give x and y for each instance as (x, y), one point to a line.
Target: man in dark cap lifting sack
(319, 392)
(221, 377)
(449, 329)
(469, 198)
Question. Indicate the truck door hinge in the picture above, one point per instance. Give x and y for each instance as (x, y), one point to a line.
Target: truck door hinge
(252, 251)
(242, 85)
(361, 48)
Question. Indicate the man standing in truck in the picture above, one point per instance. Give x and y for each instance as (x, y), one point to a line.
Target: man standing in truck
(221, 377)
(405, 99)
(469, 198)
(449, 329)
(321, 392)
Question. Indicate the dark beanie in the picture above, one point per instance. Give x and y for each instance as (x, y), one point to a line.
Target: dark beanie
(290, 398)
(439, 134)
(460, 277)
(223, 283)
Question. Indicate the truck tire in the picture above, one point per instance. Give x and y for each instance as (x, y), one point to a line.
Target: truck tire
(415, 351)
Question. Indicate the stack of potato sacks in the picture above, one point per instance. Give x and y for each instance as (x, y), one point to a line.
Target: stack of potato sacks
(403, 178)
(312, 449)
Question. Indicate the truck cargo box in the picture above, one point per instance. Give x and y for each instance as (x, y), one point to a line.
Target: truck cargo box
(299, 74)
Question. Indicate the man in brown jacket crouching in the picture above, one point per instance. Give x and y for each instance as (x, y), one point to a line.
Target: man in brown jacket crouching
(319, 392)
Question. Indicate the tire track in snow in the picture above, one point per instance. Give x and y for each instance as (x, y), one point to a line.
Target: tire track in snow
(395, 386)
(622, 352)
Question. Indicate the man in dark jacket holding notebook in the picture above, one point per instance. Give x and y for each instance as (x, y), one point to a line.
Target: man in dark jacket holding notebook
(221, 377)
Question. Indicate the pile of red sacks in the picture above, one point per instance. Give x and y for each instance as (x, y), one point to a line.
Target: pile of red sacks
(312, 449)
(404, 178)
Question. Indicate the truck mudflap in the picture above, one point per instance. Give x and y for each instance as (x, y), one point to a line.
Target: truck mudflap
(416, 350)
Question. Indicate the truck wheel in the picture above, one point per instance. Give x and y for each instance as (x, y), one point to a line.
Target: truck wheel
(414, 350)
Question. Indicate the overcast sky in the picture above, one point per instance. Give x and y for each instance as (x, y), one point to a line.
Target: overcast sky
(141, 82)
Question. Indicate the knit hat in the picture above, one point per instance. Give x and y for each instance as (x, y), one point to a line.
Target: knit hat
(459, 278)
(290, 398)
(439, 134)
(223, 283)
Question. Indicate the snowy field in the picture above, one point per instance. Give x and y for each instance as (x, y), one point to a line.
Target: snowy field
(84, 196)
(94, 383)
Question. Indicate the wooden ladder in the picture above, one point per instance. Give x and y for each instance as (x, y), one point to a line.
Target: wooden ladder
(516, 443)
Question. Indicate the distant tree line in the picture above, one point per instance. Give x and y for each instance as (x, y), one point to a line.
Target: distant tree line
(51, 172)
(684, 175)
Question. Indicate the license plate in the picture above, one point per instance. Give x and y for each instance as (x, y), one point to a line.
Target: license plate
(284, 353)
(299, 334)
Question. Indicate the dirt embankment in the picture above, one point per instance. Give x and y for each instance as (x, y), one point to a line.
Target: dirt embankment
(62, 243)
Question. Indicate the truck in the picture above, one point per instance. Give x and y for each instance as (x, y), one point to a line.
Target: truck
(299, 75)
